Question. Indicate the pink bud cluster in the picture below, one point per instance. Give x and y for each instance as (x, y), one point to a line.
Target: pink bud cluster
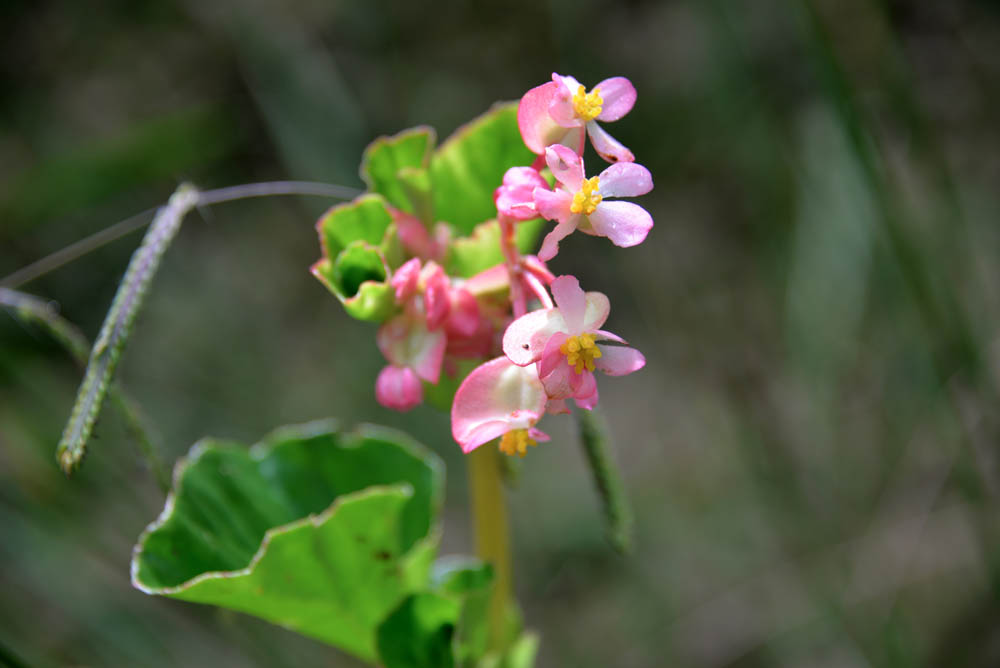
(545, 347)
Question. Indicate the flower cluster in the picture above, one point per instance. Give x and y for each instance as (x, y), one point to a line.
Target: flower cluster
(400, 262)
(550, 354)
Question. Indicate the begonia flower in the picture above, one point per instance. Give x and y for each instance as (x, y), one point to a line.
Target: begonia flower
(515, 198)
(562, 111)
(438, 318)
(499, 399)
(578, 202)
(398, 388)
(564, 344)
(405, 341)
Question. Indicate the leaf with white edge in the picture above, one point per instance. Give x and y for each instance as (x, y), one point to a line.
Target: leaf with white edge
(358, 277)
(365, 218)
(386, 157)
(321, 532)
(470, 165)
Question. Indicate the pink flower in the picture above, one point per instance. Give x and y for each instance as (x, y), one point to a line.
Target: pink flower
(578, 203)
(561, 111)
(515, 198)
(563, 343)
(406, 341)
(438, 317)
(398, 388)
(499, 399)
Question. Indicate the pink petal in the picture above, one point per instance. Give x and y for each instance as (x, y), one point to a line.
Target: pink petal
(398, 388)
(492, 280)
(571, 302)
(553, 205)
(619, 361)
(476, 435)
(559, 382)
(551, 355)
(538, 130)
(515, 197)
(596, 313)
(405, 341)
(557, 407)
(605, 334)
(567, 83)
(525, 338)
(429, 354)
(561, 108)
(404, 280)
(539, 435)
(515, 202)
(566, 166)
(626, 224)
(561, 111)
(625, 179)
(574, 139)
(588, 402)
(437, 297)
(496, 397)
(550, 244)
(618, 94)
(524, 176)
(463, 315)
(564, 382)
(607, 146)
(587, 389)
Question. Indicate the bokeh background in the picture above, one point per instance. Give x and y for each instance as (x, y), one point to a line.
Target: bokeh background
(812, 449)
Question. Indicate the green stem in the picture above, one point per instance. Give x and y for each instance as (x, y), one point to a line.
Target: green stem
(491, 534)
(617, 511)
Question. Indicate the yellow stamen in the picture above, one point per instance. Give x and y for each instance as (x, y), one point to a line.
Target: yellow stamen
(516, 442)
(580, 352)
(587, 198)
(587, 106)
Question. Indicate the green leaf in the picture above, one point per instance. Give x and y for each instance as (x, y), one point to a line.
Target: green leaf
(469, 579)
(357, 277)
(480, 250)
(417, 184)
(386, 157)
(469, 166)
(318, 531)
(365, 218)
(418, 634)
(461, 575)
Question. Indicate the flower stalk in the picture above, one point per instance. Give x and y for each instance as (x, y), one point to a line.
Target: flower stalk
(490, 527)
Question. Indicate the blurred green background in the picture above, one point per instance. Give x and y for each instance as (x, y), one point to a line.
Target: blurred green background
(812, 450)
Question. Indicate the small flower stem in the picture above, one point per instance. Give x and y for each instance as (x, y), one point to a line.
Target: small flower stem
(512, 257)
(491, 534)
(536, 287)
